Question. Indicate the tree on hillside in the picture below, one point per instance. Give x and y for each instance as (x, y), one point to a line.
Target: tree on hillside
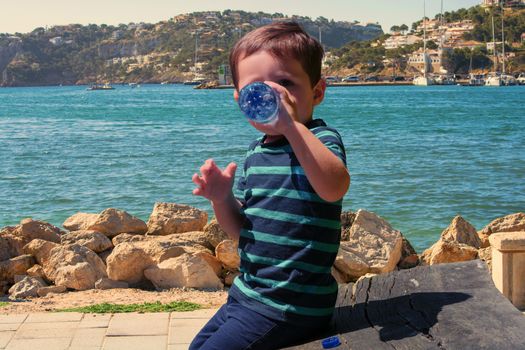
(403, 28)
(395, 28)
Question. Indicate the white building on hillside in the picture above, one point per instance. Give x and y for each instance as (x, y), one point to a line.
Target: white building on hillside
(397, 41)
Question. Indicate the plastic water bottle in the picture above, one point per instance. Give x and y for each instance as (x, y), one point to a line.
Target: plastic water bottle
(259, 102)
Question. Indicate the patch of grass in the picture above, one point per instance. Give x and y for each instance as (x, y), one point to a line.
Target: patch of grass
(3, 303)
(106, 308)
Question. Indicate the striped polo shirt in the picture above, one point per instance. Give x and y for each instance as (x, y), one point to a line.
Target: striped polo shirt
(290, 236)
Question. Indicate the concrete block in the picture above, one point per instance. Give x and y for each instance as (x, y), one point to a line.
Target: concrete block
(54, 317)
(88, 338)
(13, 318)
(508, 265)
(134, 324)
(5, 338)
(95, 321)
(136, 343)
(32, 344)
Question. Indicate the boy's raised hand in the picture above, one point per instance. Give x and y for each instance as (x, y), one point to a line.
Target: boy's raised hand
(213, 183)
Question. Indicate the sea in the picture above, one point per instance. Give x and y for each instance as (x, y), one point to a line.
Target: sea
(418, 156)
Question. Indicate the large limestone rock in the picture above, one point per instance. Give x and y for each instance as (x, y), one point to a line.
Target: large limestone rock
(128, 260)
(227, 253)
(31, 229)
(80, 221)
(214, 263)
(74, 266)
(43, 291)
(409, 257)
(458, 242)
(106, 283)
(112, 222)
(510, 223)
(15, 266)
(448, 252)
(18, 236)
(6, 251)
(38, 271)
(92, 240)
(127, 237)
(169, 218)
(373, 246)
(40, 249)
(26, 288)
(109, 222)
(214, 233)
(347, 219)
(461, 231)
(349, 264)
(186, 270)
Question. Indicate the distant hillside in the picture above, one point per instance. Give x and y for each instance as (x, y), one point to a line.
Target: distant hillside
(165, 51)
(371, 57)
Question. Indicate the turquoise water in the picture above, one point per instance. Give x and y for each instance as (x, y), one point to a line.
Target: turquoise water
(418, 156)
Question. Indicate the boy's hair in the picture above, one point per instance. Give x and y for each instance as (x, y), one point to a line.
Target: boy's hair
(280, 39)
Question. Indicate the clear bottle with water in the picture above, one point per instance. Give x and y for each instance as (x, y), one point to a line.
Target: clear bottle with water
(259, 102)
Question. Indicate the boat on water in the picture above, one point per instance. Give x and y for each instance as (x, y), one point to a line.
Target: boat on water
(105, 86)
(193, 82)
(445, 79)
(133, 85)
(476, 79)
(424, 80)
(521, 79)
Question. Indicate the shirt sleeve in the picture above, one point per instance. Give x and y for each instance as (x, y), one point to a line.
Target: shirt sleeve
(333, 141)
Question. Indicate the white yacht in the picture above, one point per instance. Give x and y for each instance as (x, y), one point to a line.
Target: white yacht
(493, 79)
(476, 79)
(424, 80)
(521, 79)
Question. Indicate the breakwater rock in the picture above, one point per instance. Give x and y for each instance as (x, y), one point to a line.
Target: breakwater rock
(178, 247)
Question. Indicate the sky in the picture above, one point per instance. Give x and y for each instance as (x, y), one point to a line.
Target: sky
(26, 15)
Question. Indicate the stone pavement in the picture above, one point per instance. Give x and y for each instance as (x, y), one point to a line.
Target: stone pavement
(77, 331)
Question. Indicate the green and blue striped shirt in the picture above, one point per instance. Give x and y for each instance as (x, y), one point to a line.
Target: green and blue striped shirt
(290, 235)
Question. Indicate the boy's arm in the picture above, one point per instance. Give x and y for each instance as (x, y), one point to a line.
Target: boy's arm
(325, 171)
(229, 217)
(216, 185)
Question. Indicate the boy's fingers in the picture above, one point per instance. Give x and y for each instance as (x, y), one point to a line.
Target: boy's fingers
(208, 167)
(197, 192)
(230, 170)
(197, 180)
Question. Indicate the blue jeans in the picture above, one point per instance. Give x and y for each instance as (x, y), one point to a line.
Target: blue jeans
(235, 327)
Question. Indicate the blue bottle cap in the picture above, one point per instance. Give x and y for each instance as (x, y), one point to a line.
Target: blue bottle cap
(331, 342)
(259, 102)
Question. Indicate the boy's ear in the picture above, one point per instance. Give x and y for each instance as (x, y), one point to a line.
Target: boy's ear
(319, 90)
(236, 95)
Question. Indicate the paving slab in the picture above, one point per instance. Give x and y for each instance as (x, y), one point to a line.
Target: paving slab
(33, 344)
(134, 324)
(136, 343)
(54, 317)
(13, 318)
(88, 338)
(48, 325)
(9, 326)
(95, 321)
(5, 338)
(44, 333)
(202, 313)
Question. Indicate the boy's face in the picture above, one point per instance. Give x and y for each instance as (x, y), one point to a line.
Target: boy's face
(287, 72)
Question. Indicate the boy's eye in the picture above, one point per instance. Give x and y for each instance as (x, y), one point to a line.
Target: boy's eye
(285, 82)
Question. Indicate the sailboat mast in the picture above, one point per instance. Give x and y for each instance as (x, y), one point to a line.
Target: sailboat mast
(494, 45)
(502, 42)
(425, 39)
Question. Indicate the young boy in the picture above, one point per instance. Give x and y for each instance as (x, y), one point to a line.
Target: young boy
(288, 223)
